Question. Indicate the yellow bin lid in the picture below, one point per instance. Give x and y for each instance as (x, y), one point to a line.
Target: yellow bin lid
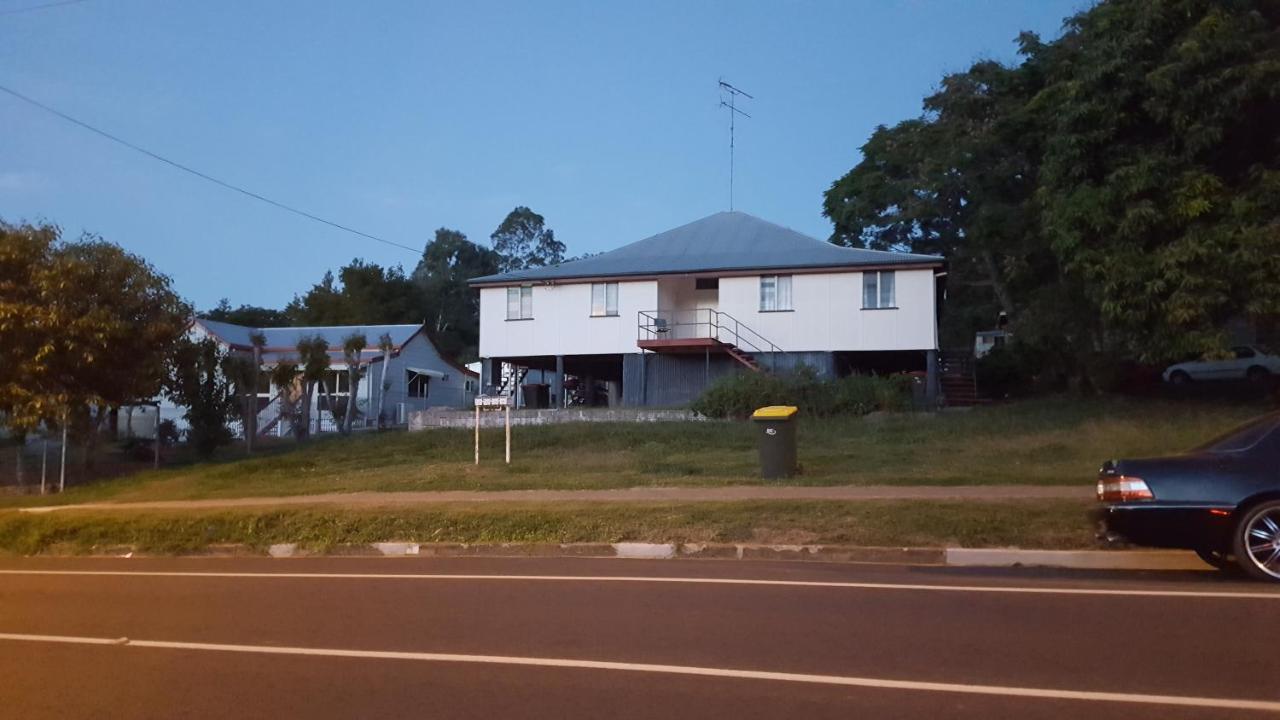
(775, 412)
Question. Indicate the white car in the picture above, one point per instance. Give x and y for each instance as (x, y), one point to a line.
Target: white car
(1247, 363)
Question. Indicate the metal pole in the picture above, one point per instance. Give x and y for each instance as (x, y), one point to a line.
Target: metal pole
(44, 462)
(62, 472)
(477, 434)
(156, 460)
(508, 411)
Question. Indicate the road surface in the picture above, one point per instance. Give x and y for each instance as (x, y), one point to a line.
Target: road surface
(591, 638)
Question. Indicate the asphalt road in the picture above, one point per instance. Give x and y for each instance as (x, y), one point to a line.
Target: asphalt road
(589, 638)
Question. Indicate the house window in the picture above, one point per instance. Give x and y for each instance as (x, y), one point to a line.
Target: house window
(417, 384)
(604, 299)
(520, 303)
(775, 293)
(706, 284)
(878, 290)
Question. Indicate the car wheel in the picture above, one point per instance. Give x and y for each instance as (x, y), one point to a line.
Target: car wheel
(1178, 377)
(1219, 560)
(1257, 374)
(1257, 541)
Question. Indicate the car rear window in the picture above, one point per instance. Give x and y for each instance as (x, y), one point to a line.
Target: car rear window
(1244, 437)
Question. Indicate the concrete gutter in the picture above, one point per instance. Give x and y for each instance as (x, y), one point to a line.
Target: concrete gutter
(951, 557)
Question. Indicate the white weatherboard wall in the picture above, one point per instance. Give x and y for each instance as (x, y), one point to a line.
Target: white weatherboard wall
(828, 314)
(562, 322)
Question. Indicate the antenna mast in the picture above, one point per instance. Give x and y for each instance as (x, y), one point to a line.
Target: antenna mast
(734, 112)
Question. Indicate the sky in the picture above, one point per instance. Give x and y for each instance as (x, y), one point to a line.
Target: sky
(397, 117)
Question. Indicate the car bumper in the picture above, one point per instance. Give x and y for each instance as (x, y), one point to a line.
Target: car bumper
(1166, 526)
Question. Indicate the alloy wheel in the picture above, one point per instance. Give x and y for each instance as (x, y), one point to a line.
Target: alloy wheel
(1262, 540)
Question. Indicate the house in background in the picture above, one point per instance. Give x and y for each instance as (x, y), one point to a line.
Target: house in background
(418, 376)
(655, 322)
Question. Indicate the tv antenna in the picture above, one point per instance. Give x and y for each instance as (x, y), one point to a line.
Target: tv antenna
(734, 112)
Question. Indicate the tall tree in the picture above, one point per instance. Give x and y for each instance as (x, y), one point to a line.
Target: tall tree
(1115, 192)
(362, 294)
(1161, 177)
(453, 307)
(247, 315)
(353, 347)
(313, 353)
(88, 325)
(523, 241)
(200, 378)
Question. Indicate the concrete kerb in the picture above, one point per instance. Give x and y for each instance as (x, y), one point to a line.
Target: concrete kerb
(952, 557)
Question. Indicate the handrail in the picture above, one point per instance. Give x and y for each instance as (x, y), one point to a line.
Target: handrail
(720, 326)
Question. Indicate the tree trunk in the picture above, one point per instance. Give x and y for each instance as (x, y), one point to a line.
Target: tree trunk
(382, 385)
(251, 419)
(18, 471)
(353, 387)
(303, 428)
(333, 410)
(997, 283)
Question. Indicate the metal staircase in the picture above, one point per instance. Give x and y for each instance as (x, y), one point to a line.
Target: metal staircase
(704, 330)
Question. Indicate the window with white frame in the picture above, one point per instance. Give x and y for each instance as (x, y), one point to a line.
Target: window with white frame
(878, 290)
(604, 299)
(775, 293)
(520, 303)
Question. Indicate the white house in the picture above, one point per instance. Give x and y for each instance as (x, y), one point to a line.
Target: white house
(417, 377)
(656, 321)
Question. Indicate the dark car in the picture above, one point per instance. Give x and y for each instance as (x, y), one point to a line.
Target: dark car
(1221, 500)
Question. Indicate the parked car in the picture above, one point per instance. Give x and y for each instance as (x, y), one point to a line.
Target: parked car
(1221, 500)
(1248, 362)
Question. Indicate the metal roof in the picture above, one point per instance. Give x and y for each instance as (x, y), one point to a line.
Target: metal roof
(279, 338)
(726, 241)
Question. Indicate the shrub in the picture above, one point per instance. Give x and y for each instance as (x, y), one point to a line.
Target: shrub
(738, 395)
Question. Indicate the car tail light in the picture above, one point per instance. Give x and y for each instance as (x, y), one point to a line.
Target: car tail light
(1122, 488)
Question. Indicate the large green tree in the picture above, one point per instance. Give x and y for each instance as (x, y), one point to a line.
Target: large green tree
(247, 315)
(453, 307)
(362, 294)
(84, 326)
(524, 241)
(1115, 192)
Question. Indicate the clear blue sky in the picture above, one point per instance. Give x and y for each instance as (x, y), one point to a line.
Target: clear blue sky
(399, 117)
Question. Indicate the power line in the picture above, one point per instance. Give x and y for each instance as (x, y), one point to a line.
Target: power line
(46, 6)
(202, 175)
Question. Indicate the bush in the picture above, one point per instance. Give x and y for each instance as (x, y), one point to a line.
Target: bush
(738, 395)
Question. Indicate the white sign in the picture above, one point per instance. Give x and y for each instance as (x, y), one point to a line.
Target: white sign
(494, 402)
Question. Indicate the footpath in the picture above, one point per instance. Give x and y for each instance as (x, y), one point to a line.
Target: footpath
(976, 493)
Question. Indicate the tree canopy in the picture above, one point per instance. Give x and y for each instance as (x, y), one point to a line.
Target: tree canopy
(523, 241)
(1115, 192)
(82, 324)
(448, 262)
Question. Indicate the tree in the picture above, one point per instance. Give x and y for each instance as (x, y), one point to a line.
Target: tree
(453, 307)
(353, 346)
(522, 241)
(200, 379)
(363, 294)
(84, 326)
(384, 346)
(1160, 183)
(1115, 193)
(247, 315)
(285, 375)
(27, 394)
(313, 352)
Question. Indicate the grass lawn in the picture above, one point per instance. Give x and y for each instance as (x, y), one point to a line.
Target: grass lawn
(1030, 524)
(1043, 442)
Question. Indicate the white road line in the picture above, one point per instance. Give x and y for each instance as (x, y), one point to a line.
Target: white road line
(842, 680)
(1013, 590)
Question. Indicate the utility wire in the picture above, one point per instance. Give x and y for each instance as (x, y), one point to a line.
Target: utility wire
(46, 6)
(202, 175)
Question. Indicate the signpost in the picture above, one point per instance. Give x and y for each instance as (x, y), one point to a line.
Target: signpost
(490, 403)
